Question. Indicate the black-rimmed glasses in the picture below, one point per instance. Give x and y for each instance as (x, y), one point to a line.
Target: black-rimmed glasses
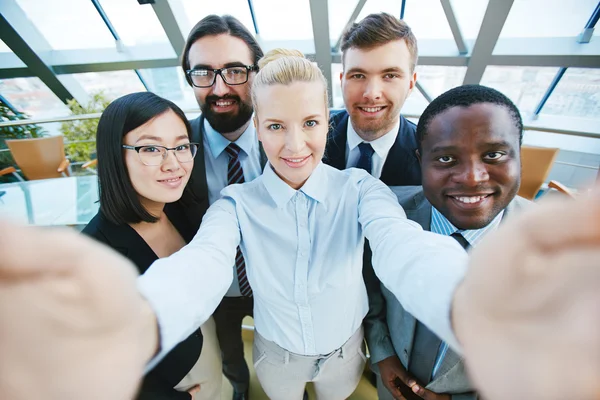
(153, 155)
(206, 77)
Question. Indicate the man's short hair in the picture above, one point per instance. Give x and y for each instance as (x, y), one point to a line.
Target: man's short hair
(465, 96)
(213, 25)
(379, 29)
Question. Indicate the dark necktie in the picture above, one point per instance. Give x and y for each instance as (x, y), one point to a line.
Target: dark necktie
(461, 240)
(235, 174)
(365, 161)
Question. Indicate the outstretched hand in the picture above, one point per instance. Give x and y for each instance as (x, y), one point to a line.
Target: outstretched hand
(528, 311)
(71, 319)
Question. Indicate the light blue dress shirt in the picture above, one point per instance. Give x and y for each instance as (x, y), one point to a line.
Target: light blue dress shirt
(441, 225)
(303, 251)
(216, 162)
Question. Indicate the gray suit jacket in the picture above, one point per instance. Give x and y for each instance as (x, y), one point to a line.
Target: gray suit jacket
(451, 377)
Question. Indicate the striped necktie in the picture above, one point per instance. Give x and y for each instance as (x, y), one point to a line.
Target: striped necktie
(235, 174)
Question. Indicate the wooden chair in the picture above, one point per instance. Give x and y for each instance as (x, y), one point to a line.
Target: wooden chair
(536, 163)
(39, 158)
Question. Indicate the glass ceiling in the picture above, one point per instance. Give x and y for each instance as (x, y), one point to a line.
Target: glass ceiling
(82, 46)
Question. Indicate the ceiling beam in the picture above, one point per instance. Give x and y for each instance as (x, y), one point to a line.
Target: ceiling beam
(454, 27)
(491, 27)
(174, 21)
(319, 13)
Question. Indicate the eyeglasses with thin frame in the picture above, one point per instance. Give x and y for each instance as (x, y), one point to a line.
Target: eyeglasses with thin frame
(206, 77)
(153, 155)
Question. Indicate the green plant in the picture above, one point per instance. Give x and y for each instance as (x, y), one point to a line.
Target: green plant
(83, 131)
(14, 132)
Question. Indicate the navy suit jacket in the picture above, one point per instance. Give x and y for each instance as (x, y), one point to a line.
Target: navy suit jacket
(401, 167)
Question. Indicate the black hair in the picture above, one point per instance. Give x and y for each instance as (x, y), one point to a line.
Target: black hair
(119, 202)
(217, 25)
(465, 96)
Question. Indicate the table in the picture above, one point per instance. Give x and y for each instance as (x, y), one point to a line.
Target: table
(69, 201)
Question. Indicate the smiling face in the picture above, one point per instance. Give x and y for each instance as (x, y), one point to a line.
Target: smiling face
(470, 158)
(226, 107)
(156, 185)
(292, 123)
(375, 84)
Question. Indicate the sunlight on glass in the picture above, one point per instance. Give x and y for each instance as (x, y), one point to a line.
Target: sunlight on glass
(439, 79)
(469, 14)
(31, 96)
(576, 95)
(113, 83)
(525, 86)
(170, 83)
(547, 18)
(68, 24)
(4, 48)
(281, 20)
(134, 23)
(196, 10)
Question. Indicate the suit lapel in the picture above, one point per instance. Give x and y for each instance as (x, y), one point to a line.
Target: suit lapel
(335, 153)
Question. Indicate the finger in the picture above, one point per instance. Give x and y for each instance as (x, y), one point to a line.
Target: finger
(418, 390)
(546, 225)
(28, 250)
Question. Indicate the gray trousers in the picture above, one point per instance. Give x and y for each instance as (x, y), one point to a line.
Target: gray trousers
(283, 375)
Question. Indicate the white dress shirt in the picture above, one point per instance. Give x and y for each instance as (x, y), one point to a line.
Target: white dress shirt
(381, 146)
(303, 251)
(216, 161)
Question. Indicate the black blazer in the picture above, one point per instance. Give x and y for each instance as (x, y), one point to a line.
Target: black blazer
(401, 168)
(158, 384)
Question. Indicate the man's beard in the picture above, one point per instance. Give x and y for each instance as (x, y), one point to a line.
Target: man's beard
(229, 121)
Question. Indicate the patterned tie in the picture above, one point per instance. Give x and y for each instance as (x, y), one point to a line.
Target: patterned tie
(235, 174)
(366, 157)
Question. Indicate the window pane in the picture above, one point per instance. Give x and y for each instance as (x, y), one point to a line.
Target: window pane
(469, 14)
(4, 48)
(427, 19)
(525, 86)
(114, 84)
(547, 18)
(134, 23)
(415, 104)
(336, 87)
(576, 95)
(376, 6)
(170, 83)
(68, 24)
(437, 79)
(196, 10)
(31, 96)
(339, 13)
(284, 20)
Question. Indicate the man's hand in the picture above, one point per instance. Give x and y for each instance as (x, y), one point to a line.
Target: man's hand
(71, 319)
(427, 394)
(392, 373)
(527, 313)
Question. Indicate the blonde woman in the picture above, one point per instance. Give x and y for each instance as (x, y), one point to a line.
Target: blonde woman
(301, 227)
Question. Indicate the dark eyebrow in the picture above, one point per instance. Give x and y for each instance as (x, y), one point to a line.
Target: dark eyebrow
(148, 137)
(228, 65)
(356, 70)
(487, 145)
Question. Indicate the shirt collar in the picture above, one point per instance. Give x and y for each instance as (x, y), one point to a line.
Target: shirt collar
(315, 186)
(217, 142)
(381, 145)
(441, 225)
